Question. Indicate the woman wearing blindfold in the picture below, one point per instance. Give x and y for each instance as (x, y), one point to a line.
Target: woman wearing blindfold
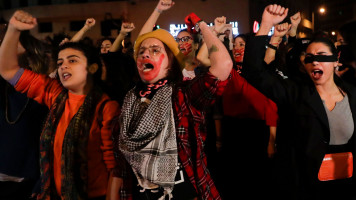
(316, 118)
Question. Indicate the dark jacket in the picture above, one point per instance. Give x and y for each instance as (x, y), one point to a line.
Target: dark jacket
(303, 132)
(19, 142)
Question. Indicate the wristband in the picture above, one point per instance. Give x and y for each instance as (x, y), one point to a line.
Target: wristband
(272, 47)
(158, 10)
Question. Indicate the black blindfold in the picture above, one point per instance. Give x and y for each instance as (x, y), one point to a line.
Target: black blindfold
(320, 58)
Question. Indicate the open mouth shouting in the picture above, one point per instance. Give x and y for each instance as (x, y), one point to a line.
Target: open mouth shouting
(237, 54)
(185, 48)
(147, 67)
(317, 74)
(66, 76)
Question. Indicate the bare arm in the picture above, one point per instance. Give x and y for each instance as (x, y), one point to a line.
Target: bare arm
(20, 21)
(203, 54)
(221, 63)
(89, 23)
(114, 186)
(295, 20)
(272, 15)
(125, 29)
(279, 31)
(161, 6)
(271, 149)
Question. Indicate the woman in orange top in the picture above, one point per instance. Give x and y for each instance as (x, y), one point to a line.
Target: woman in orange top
(76, 144)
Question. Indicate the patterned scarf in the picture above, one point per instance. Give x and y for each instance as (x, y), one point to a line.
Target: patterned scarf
(74, 167)
(148, 139)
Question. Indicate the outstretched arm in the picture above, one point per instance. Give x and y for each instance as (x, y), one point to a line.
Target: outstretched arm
(20, 21)
(255, 72)
(272, 15)
(279, 31)
(126, 28)
(221, 63)
(89, 23)
(161, 6)
(203, 54)
(295, 20)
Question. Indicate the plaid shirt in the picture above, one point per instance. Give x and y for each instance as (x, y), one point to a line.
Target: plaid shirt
(191, 99)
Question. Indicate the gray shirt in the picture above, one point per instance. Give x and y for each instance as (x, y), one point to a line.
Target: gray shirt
(341, 123)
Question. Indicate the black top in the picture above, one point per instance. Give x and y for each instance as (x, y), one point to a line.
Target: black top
(19, 142)
(303, 131)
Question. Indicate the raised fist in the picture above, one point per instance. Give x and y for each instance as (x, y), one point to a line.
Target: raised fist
(190, 21)
(164, 5)
(295, 19)
(281, 29)
(127, 27)
(274, 14)
(22, 20)
(192, 18)
(90, 22)
(219, 24)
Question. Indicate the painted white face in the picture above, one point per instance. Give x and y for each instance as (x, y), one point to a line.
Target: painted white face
(152, 60)
(320, 72)
(72, 70)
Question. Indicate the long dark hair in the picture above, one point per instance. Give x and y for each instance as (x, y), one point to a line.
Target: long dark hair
(89, 52)
(174, 73)
(37, 55)
(326, 41)
(196, 39)
(98, 45)
(242, 36)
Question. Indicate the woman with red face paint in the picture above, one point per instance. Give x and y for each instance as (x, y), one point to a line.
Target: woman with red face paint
(187, 41)
(239, 50)
(162, 130)
(188, 45)
(317, 118)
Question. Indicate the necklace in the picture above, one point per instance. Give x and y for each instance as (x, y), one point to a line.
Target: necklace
(7, 108)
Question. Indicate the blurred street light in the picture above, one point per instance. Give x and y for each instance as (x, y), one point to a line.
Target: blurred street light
(322, 10)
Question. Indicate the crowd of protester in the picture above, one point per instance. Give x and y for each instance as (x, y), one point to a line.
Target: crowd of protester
(184, 118)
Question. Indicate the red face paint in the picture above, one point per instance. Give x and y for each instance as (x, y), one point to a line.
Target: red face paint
(238, 54)
(146, 74)
(185, 48)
